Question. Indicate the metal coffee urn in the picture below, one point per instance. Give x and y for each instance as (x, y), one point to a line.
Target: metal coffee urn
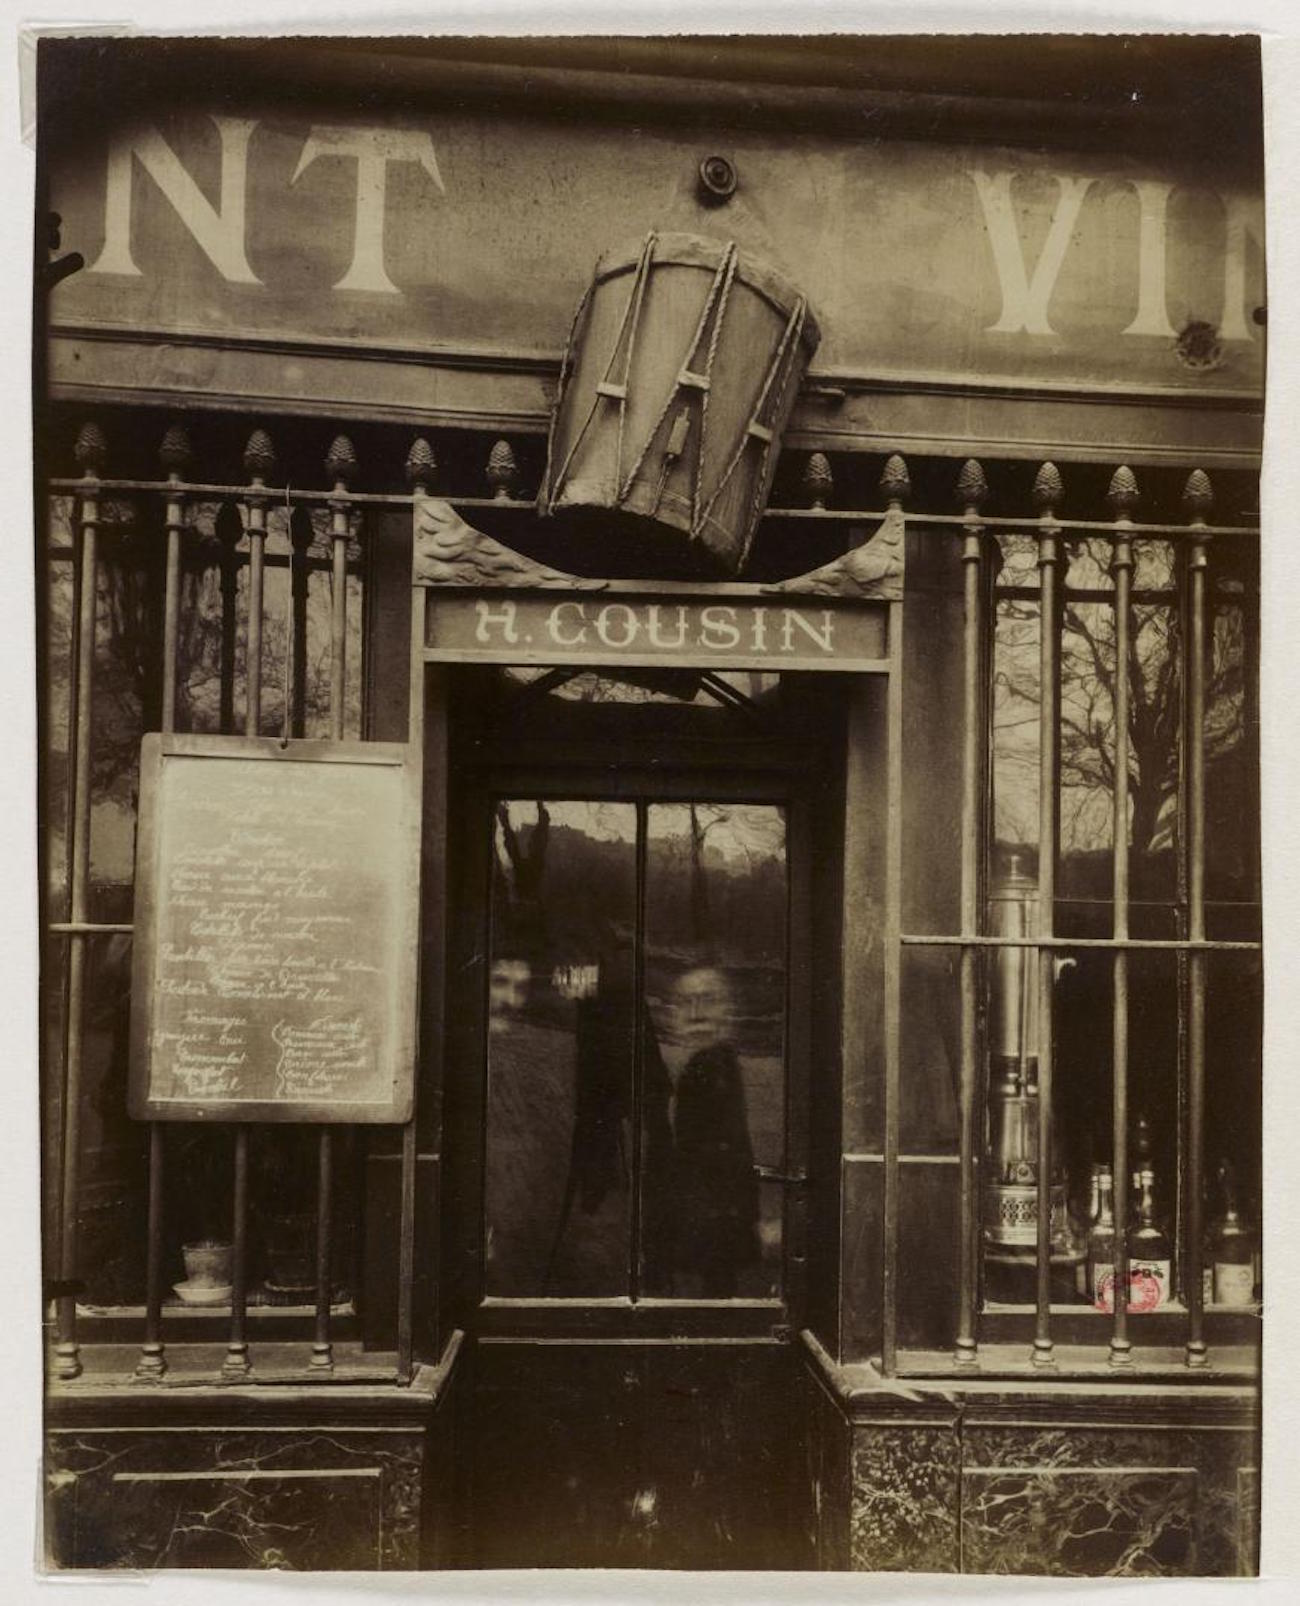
(1011, 1188)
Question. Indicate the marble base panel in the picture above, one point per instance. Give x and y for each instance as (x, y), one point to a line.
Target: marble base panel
(1077, 1522)
(292, 1498)
(904, 1490)
(1209, 1469)
(1067, 1483)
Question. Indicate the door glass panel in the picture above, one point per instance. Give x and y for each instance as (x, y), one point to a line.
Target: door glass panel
(560, 1049)
(713, 1081)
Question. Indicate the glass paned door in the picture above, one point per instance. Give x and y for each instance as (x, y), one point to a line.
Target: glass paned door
(637, 963)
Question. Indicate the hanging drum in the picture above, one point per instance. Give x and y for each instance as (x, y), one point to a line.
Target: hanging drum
(681, 370)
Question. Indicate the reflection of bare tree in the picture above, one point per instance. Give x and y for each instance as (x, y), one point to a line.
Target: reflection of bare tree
(751, 833)
(1087, 724)
(527, 862)
(210, 644)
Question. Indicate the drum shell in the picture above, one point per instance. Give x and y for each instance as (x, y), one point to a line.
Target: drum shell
(595, 465)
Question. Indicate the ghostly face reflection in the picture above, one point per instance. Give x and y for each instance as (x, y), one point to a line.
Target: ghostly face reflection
(507, 991)
(703, 1008)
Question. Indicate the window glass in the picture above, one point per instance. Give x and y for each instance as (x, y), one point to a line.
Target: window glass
(713, 1091)
(571, 962)
(561, 1002)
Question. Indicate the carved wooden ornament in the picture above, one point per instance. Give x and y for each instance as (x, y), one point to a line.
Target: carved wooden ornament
(449, 552)
(872, 571)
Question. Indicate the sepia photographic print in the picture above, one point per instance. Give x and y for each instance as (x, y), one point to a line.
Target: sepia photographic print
(649, 783)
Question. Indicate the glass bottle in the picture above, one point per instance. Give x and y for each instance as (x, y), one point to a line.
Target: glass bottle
(1232, 1249)
(1140, 1157)
(1149, 1251)
(1082, 1273)
(1101, 1243)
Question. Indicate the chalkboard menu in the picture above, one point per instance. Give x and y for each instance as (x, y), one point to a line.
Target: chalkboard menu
(276, 931)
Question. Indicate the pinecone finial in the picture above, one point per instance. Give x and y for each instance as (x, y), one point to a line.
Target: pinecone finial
(259, 455)
(421, 464)
(895, 481)
(174, 453)
(502, 471)
(972, 487)
(91, 449)
(1198, 495)
(1048, 488)
(1123, 495)
(341, 461)
(817, 481)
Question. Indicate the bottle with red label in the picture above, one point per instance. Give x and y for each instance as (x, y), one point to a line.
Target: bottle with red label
(1101, 1243)
(1150, 1254)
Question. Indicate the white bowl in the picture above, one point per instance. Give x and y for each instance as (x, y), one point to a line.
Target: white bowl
(204, 1293)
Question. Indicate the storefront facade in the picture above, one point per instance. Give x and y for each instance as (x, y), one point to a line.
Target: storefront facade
(578, 805)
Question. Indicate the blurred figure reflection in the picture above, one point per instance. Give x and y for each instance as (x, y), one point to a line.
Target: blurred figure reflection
(700, 1189)
(507, 991)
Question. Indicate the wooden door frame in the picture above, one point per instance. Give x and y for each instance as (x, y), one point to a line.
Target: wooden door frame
(578, 772)
(449, 592)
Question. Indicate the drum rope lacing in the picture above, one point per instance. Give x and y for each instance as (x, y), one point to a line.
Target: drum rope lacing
(756, 430)
(711, 320)
(562, 385)
(607, 389)
(723, 275)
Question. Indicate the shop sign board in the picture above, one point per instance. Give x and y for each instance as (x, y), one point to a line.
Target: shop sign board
(733, 628)
(275, 932)
(476, 235)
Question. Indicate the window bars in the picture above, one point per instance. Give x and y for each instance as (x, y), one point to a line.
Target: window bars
(1049, 532)
(80, 929)
(1052, 536)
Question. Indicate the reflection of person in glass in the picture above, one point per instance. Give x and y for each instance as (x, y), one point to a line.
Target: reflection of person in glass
(701, 1190)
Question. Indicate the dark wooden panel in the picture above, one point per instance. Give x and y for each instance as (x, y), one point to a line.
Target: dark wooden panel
(379, 1260)
(927, 1254)
(825, 1111)
(861, 1291)
(827, 1439)
(931, 826)
(862, 967)
(387, 545)
(930, 1048)
(625, 1455)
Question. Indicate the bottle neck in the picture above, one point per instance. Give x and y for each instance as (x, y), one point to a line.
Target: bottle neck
(1105, 1200)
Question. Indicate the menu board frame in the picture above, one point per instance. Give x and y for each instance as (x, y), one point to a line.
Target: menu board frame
(399, 868)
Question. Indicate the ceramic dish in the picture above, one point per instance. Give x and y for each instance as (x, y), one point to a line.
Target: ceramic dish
(204, 1293)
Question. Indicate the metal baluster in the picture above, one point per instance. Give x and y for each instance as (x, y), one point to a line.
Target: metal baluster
(972, 492)
(237, 1363)
(895, 483)
(259, 461)
(91, 452)
(1198, 496)
(341, 467)
(1123, 498)
(427, 734)
(1047, 493)
(175, 456)
(301, 535)
(322, 1349)
(229, 531)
